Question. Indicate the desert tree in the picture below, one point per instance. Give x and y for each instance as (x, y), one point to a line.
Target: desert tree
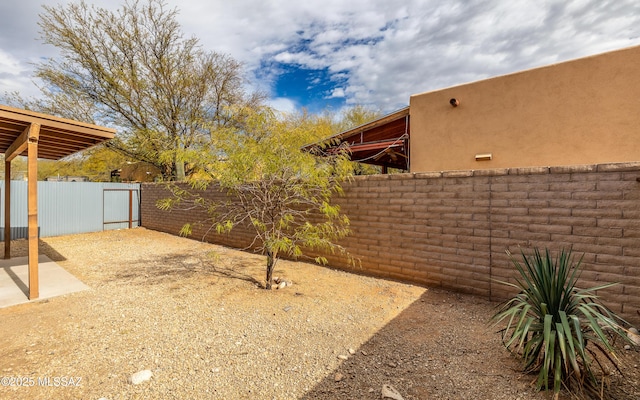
(356, 115)
(95, 163)
(135, 70)
(282, 194)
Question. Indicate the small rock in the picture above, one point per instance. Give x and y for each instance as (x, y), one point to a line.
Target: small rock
(282, 285)
(389, 392)
(352, 351)
(343, 357)
(338, 377)
(287, 309)
(364, 353)
(627, 347)
(635, 339)
(634, 331)
(392, 364)
(140, 376)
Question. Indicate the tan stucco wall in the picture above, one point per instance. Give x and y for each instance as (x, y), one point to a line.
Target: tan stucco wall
(585, 111)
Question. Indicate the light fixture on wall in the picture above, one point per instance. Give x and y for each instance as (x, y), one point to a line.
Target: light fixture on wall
(484, 157)
(454, 102)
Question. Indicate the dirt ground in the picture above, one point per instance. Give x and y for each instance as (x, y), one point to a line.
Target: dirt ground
(195, 316)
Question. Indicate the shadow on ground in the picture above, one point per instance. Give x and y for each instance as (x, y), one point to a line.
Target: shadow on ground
(20, 248)
(178, 266)
(440, 347)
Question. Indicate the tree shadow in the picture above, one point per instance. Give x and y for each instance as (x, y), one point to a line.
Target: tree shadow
(181, 266)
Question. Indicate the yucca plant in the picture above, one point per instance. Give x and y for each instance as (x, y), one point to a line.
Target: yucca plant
(560, 331)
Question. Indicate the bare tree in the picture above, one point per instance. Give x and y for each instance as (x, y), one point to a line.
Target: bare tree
(134, 69)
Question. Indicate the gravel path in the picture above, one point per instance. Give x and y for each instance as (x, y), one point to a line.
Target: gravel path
(194, 315)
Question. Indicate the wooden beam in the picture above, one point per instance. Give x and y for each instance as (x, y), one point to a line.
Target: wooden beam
(387, 119)
(20, 144)
(32, 184)
(7, 210)
(15, 114)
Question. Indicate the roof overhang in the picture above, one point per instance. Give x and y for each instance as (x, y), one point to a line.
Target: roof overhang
(383, 142)
(58, 137)
(35, 135)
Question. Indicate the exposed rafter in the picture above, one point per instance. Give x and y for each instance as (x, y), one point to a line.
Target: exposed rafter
(383, 142)
(35, 135)
(58, 137)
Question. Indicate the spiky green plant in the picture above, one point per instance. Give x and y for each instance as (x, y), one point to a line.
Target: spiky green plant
(558, 329)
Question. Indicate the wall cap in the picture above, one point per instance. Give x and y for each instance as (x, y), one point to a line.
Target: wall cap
(560, 169)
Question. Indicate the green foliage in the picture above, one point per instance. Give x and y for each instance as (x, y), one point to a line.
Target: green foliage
(280, 192)
(134, 70)
(356, 116)
(95, 163)
(558, 329)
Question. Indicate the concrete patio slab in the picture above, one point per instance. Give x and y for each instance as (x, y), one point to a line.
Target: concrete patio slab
(54, 281)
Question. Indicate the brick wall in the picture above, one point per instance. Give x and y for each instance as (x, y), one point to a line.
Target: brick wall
(451, 229)
(172, 221)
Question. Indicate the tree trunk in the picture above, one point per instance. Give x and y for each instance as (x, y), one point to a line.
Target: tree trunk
(270, 265)
(180, 171)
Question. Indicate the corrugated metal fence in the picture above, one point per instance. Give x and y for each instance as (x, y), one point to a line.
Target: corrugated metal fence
(66, 208)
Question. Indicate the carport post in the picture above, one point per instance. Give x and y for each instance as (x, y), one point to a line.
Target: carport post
(28, 140)
(40, 135)
(32, 176)
(7, 210)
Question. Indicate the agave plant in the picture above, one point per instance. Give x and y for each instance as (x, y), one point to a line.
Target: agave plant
(560, 331)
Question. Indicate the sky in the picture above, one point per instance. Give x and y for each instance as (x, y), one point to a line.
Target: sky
(320, 54)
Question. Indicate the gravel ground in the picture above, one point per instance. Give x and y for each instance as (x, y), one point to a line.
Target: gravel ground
(194, 314)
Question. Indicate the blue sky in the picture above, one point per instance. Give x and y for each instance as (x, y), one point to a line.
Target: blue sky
(337, 53)
(313, 89)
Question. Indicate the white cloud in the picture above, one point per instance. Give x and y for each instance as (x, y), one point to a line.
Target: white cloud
(9, 65)
(283, 104)
(337, 93)
(15, 76)
(382, 50)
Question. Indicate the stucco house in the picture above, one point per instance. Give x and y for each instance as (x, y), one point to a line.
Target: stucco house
(584, 111)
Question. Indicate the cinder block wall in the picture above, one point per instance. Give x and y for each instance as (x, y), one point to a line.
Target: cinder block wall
(452, 229)
(173, 220)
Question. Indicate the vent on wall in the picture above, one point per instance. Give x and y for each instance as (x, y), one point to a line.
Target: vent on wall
(484, 157)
